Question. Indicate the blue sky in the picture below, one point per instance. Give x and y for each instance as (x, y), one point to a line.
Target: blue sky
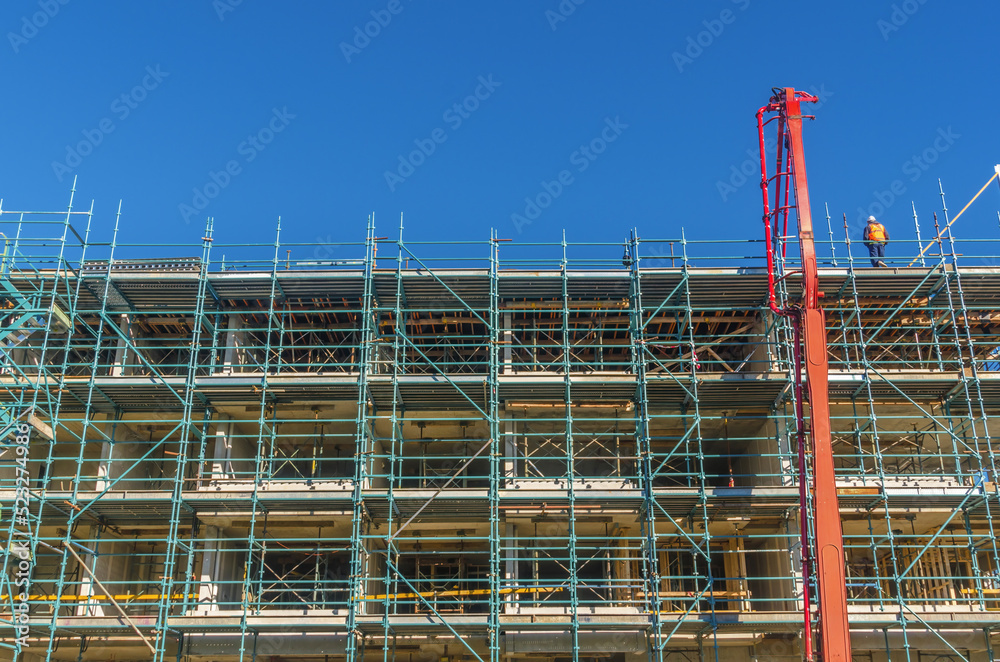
(265, 109)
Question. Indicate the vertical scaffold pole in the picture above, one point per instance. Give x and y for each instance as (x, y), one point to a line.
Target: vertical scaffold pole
(264, 427)
(916, 226)
(829, 228)
(53, 409)
(188, 430)
(361, 444)
(87, 423)
(496, 450)
(54, 413)
(396, 446)
(698, 436)
(976, 410)
(567, 366)
(644, 451)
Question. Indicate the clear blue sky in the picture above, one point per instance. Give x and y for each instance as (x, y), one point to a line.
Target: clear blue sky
(163, 94)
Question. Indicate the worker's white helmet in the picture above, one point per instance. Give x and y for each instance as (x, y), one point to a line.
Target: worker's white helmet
(871, 219)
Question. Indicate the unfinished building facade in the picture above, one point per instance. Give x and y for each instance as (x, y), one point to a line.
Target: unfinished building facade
(249, 453)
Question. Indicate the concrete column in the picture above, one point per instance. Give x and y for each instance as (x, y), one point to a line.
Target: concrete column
(123, 464)
(235, 345)
(24, 357)
(113, 567)
(509, 450)
(794, 567)
(734, 560)
(222, 451)
(760, 344)
(620, 567)
(87, 585)
(211, 562)
(118, 457)
(123, 355)
(785, 438)
(370, 583)
(510, 563)
(107, 452)
(232, 457)
(508, 345)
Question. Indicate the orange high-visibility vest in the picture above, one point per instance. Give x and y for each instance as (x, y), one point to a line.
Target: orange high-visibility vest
(876, 232)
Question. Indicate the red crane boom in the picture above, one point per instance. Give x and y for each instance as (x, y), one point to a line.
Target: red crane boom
(810, 348)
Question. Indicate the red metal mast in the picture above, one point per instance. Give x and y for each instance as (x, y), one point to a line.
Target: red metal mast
(810, 346)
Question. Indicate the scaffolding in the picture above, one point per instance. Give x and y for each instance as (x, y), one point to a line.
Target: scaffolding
(481, 450)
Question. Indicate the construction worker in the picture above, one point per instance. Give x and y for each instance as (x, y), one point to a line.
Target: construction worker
(876, 237)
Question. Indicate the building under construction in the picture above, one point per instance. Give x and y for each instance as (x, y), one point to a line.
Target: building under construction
(486, 451)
